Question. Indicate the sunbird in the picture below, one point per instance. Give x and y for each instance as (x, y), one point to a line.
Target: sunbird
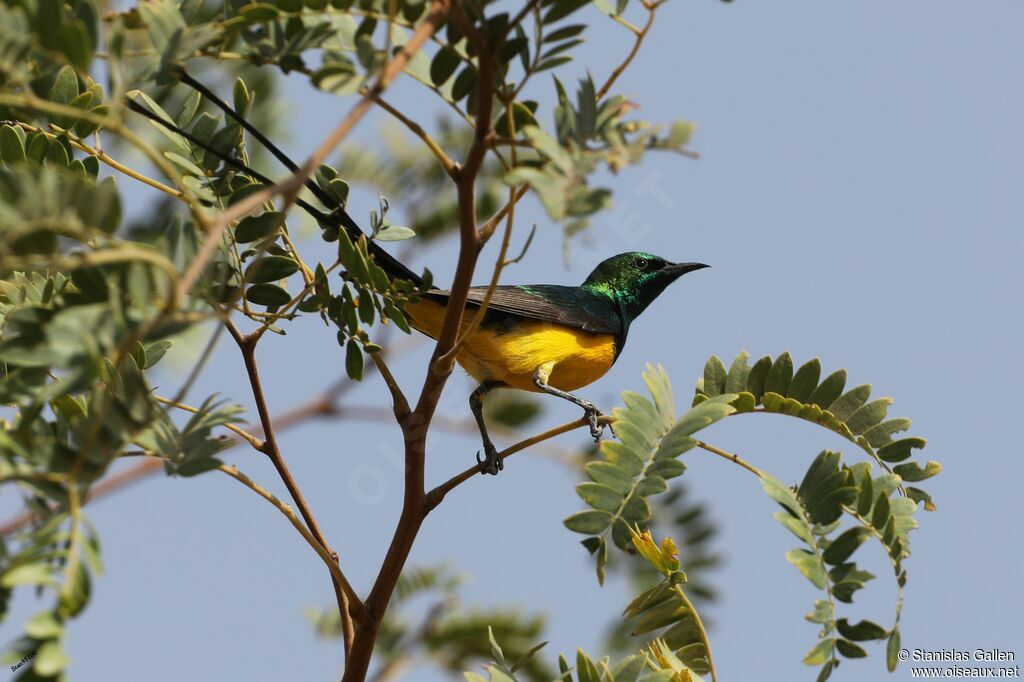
(549, 338)
(544, 338)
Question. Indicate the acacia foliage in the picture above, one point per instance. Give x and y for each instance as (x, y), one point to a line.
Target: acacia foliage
(874, 501)
(89, 305)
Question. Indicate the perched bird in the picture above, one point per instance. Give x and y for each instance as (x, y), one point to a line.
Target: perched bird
(548, 338)
(544, 338)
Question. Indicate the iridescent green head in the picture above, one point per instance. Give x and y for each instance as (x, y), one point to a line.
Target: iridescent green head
(635, 279)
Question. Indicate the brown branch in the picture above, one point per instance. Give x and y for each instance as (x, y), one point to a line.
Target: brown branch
(488, 228)
(349, 605)
(398, 399)
(527, 8)
(435, 496)
(502, 259)
(415, 428)
(417, 130)
(329, 558)
(652, 8)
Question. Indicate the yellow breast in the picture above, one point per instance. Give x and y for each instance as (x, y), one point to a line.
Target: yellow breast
(512, 357)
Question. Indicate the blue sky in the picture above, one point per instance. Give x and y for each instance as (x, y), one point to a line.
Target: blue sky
(859, 197)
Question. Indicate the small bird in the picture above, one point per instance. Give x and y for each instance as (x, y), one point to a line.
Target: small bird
(548, 338)
(544, 338)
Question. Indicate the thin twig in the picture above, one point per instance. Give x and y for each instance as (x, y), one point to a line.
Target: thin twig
(446, 162)
(350, 606)
(701, 630)
(398, 399)
(321, 406)
(501, 261)
(652, 8)
(232, 471)
(527, 8)
(252, 440)
(487, 229)
(437, 494)
(735, 459)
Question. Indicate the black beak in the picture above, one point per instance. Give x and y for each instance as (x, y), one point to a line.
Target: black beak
(680, 269)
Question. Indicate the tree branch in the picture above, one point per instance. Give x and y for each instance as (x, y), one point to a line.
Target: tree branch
(735, 459)
(324, 553)
(416, 129)
(652, 7)
(349, 604)
(318, 407)
(399, 402)
(437, 494)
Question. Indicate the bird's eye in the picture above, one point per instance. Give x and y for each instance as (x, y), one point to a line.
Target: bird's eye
(641, 263)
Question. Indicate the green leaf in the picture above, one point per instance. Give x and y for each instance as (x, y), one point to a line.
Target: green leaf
(27, 574)
(64, 88)
(758, 375)
(12, 148)
(899, 450)
(820, 653)
(189, 109)
(849, 649)
(562, 9)
(609, 475)
(354, 360)
(600, 496)
(270, 295)
(846, 544)
(796, 525)
(525, 658)
(829, 390)
(589, 522)
(913, 472)
(736, 381)
(850, 402)
(863, 631)
(880, 514)
(868, 415)
(443, 65)
(258, 12)
(808, 564)
(241, 97)
(714, 377)
(779, 375)
(271, 269)
(44, 625)
(258, 227)
(50, 659)
(805, 381)
(394, 233)
(892, 650)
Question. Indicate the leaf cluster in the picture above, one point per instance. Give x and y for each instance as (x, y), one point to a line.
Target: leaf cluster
(773, 386)
(638, 464)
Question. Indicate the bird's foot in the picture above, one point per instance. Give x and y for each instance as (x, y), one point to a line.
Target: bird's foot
(491, 463)
(593, 415)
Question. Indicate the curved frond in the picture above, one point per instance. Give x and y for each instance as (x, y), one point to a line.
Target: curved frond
(640, 463)
(773, 386)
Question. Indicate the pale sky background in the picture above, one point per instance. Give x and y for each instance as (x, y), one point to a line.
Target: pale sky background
(859, 197)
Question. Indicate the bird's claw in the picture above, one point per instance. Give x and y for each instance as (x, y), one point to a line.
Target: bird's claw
(592, 415)
(490, 463)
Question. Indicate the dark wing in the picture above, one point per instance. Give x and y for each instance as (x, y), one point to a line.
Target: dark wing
(573, 307)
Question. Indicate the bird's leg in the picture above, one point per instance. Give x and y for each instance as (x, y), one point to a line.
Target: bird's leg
(491, 463)
(590, 411)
